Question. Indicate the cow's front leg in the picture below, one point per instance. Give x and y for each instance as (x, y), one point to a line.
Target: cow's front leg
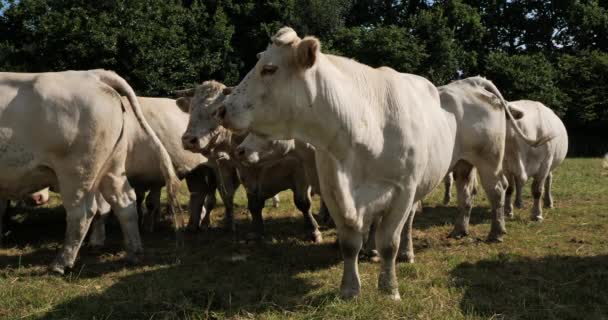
(255, 205)
(351, 241)
(228, 183)
(301, 198)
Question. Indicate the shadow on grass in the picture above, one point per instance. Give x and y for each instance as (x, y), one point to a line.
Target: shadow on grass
(205, 277)
(552, 287)
(439, 215)
(210, 273)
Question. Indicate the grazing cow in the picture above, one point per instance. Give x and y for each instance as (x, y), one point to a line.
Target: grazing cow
(522, 161)
(204, 134)
(67, 130)
(478, 116)
(378, 149)
(142, 165)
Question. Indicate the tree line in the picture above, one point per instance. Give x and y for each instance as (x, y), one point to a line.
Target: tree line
(555, 52)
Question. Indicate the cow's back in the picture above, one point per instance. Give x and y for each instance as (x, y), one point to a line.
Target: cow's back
(169, 123)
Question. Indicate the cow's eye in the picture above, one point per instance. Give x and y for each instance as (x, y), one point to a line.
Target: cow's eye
(269, 69)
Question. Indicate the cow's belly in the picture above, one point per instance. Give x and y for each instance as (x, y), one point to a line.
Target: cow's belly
(19, 181)
(145, 181)
(21, 172)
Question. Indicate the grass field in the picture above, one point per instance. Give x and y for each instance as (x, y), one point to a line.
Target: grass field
(557, 269)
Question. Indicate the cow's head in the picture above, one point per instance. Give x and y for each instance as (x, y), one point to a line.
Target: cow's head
(277, 90)
(201, 102)
(256, 149)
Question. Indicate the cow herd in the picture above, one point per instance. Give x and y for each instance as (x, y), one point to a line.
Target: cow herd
(372, 142)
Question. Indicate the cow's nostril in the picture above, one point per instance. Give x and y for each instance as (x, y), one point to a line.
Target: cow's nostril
(192, 140)
(240, 152)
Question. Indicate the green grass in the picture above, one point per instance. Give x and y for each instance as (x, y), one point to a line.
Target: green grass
(557, 269)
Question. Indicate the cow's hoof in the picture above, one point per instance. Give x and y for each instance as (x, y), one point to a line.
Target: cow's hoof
(349, 294)
(317, 237)
(446, 201)
(407, 257)
(537, 218)
(57, 268)
(134, 259)
(95, 248)
(458, 234)
(254, 237)
(192, 228)
(495, 238)
(519, 205)
(548, 206)
(394, 296)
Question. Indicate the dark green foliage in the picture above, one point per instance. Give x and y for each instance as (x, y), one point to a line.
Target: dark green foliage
(551, 51)
(525, 76)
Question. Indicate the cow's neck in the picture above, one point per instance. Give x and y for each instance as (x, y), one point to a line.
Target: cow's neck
(341, 116)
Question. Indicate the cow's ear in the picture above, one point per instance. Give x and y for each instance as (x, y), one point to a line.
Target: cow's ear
(307, 52)
(184, 104)
(517, 113)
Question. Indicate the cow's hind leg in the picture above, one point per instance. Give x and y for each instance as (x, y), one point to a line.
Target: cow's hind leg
(200, 188)
(494, 184)
(520, 182)
(117, 191)
(548, 198)
(407, 243)
(140, 194)
(97, 237)
(303, 202)
(153, 208)
(447, 182)
(464, 176)
(508, 196)
(80, 207)
(537, 190)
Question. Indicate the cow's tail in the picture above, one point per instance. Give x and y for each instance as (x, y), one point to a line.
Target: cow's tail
(119, 84)
(489, 86)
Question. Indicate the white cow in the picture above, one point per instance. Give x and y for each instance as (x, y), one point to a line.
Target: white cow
(142, 164)
(523, 161)
(479, 117)
(67, 130)
(379, 149)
